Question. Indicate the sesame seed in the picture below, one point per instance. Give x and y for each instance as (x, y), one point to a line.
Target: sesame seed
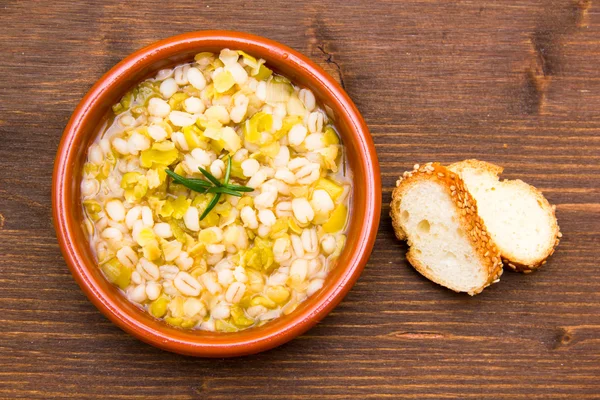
(453, 188)
(416, 166)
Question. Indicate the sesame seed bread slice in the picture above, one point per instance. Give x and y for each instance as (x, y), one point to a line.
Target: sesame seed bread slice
(521, 221)
(449, 243)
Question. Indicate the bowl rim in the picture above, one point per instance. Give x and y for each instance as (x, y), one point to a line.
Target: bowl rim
(265, 338)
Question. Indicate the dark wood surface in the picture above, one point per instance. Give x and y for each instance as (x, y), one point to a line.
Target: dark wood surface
(513, 82)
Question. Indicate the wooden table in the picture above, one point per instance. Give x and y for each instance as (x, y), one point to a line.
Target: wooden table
(513, 82)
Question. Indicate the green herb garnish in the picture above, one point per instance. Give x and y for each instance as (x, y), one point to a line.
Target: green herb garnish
(212, 185)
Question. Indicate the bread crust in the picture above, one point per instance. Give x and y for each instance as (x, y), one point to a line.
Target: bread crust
(511, 260)
(466, 207)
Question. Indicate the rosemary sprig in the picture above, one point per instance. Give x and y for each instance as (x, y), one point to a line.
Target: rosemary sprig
(212, 185)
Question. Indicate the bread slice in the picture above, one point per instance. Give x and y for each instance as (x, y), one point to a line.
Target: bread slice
(449, 243)
(520, 219)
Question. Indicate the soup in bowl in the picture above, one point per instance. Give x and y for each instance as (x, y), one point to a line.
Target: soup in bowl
(216, 194)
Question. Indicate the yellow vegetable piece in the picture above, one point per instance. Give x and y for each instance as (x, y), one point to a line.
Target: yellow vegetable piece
(177, 230)
(223, 81)
(236, 170)
(330, 136)
(175, 321)
(223, 209)
(145, 236)
(294, 226)
(263, 73)
(92, 208)
(176, 307)
(331, 187)
(260, 257)
(278, 90)
(248, 59)
(116, 273)
(223, 138)
(201, 201)
(152, 250)
(193, 136)
(162, 157)
(299, 191)
(176, 101)
(295, 106)
(90, 169)
(279, 228)
(255, 126)
(158, 308)
(263, 301)
(230, 141)
(270, 150)
(199, 270)
(171, 249)
(244, 201)
(256, 281)
(222, 326)
(180, 206)
(337, 221)
(278, 294)
(130, 179)
(179, 170)
(330, 154)
(205, 56)
(188, 323)
(287, 124)
(238, 317)
(207, 236)
(124, 104)
(166, 209)
(245, 302)
(135, 185)
(104, 171)
(155, 177)
(212, 219)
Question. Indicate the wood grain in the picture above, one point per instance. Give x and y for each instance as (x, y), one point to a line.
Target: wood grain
(515, 82)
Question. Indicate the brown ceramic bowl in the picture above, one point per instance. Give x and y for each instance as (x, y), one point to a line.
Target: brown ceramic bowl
(83, 127)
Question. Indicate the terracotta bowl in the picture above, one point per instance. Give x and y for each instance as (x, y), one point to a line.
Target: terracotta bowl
(83, 127)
